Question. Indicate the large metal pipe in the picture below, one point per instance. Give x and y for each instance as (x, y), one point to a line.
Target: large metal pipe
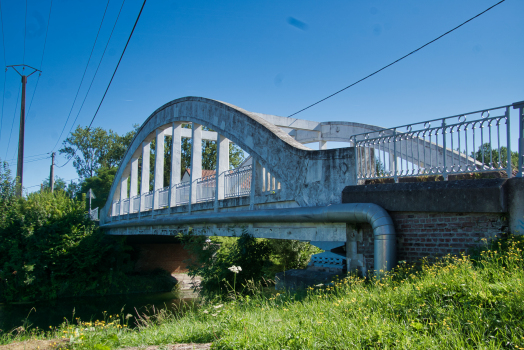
(383, 230)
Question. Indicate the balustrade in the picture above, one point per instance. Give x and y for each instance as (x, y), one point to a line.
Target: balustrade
(126, 203)
(237, 182)
(182, 193)
(148, 200)
(163, 197)
(136, 204)
(206, 188)
(467, 143)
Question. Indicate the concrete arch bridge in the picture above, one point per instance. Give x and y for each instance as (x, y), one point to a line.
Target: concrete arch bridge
(284, 190)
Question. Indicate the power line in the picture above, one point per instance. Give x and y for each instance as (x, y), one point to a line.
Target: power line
(64, 181)
(398, 60)
(29, 157)
(42, 59)
(120, 60)
(14, 116)
(83, 76)
(97, 68)
(116, 68)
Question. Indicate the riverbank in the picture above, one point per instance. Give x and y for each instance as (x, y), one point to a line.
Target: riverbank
(44, 314)
(456, 303)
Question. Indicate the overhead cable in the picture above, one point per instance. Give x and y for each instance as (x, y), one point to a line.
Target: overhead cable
(42, 58)
(398, 60)
(14, 116)
(97, 68)
(116, 68)
(83, 76)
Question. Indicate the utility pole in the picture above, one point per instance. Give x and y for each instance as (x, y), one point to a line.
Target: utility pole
(52, 175)
(20, 165)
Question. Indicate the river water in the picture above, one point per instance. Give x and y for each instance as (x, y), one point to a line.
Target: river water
(53, 313)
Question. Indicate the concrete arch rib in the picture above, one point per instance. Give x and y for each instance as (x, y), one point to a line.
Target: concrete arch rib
(292, 163)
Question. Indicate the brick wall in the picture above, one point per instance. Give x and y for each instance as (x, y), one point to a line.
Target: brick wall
(421, 234)
(166, 256)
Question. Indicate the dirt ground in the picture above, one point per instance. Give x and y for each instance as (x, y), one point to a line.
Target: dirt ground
(34, 344)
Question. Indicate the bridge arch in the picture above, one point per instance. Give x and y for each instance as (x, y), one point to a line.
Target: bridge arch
(277, 155)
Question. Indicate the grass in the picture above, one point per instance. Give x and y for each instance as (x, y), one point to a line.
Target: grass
(456, 303)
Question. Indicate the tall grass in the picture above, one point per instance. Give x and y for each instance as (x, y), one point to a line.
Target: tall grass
(456, 303)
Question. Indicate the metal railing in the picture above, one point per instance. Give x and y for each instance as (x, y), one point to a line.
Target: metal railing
(237, 182)
(93, 214)
(467, 143)
(163, 197)
(136, 204)
(125, 203)
(206, 188)
(182, 193)
(148, 200)
(116, 208)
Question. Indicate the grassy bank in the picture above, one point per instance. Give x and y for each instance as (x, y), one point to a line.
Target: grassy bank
(459, 302)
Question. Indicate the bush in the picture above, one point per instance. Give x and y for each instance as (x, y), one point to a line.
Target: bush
(213, 256)
(49, 248)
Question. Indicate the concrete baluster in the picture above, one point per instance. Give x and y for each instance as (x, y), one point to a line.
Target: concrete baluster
(254, 177)
(144, 184)
(159, 167)
(123, 193)
(196, 161)
(176, 161)
(133, 186)
(222, 167)
(116, 198)
(259, 178)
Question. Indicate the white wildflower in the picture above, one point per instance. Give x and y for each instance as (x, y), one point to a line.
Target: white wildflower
(235, 269)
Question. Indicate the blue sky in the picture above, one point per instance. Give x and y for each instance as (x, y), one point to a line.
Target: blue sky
(250, 54)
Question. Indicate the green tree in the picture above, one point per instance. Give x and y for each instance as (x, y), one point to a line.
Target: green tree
(7, 191)
(492, 155)
(60, 184)
(100, 184)
(92, 149)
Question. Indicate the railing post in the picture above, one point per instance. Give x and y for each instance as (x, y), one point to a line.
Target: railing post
(196, 161)
(221, 168)
(133, 186)
(158, 182)
(176, 161)
(254, 173)
(395, 176)
(520, 165)
(123, 194)
(444, 152)
(521, 143)
(509, 170)
(144, 184)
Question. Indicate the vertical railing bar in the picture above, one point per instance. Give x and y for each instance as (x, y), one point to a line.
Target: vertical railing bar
(481, 144)
(509, 170)
(445, 151)
(466, 144)
(395, 155)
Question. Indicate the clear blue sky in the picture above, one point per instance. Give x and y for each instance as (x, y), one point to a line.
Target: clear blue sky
(247, 53)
